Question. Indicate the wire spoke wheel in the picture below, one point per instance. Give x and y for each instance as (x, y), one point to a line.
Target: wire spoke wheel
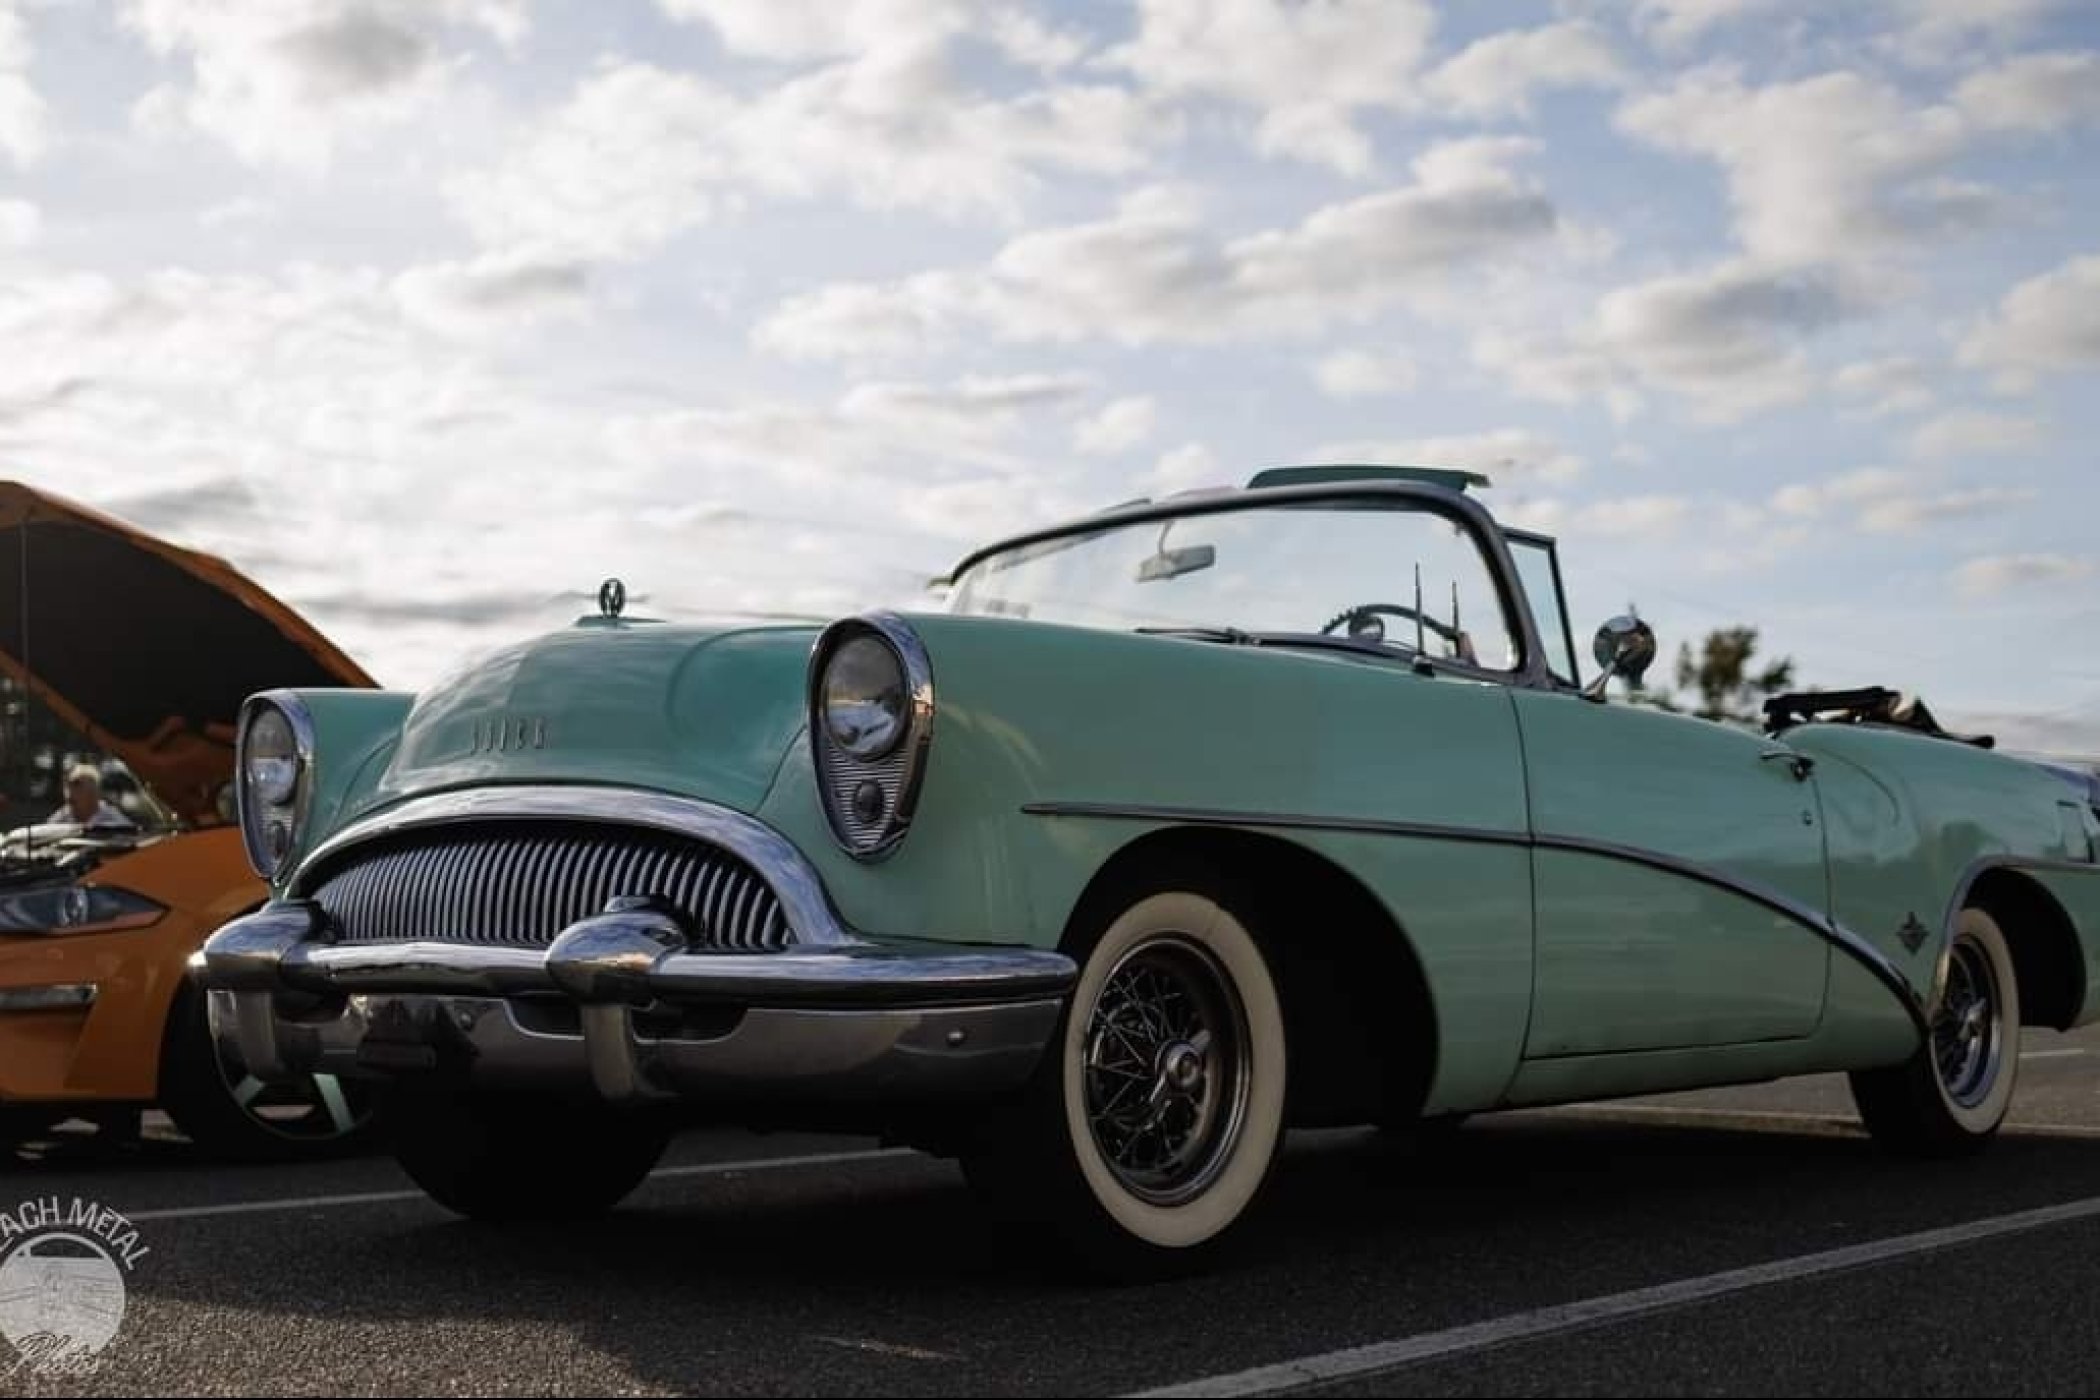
(315, 1108)
(1166, 1070)
(1968, 1035)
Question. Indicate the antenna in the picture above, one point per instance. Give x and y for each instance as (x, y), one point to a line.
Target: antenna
(1421, 638)
(28, 694)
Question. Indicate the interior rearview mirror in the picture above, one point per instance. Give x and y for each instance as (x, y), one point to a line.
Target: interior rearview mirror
(1173, 563)
(1625, 647)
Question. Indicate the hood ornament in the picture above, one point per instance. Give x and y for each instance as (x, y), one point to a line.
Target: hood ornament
(612, 597)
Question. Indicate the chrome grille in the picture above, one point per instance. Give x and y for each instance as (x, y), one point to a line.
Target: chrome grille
(519, 887)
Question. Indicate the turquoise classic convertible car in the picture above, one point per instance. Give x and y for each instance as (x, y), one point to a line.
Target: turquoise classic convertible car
(1183, 824)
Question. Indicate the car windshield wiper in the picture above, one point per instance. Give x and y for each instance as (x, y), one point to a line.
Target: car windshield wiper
(1311, 641)
(1231, 635)
(1320, 641)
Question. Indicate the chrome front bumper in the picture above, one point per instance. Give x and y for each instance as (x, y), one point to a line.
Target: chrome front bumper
(618, 1007)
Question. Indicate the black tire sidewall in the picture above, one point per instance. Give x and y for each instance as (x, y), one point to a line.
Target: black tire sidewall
(516, 1157)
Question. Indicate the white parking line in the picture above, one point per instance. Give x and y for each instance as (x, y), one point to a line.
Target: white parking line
(1616, 1307)
(380, 1198)
(2063, 1054)
(1754, 1116)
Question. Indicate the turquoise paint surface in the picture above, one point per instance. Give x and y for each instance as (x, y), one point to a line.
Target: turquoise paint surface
(1633, 958)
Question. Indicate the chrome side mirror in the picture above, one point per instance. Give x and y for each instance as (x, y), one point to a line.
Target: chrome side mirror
(1625, 647)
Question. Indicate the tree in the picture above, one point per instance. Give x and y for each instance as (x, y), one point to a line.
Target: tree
(1719, 675)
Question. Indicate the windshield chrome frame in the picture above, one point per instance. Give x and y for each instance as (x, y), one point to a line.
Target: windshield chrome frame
(1550, 546)
(1530, 671)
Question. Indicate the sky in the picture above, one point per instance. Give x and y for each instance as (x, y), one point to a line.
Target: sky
(431, 314)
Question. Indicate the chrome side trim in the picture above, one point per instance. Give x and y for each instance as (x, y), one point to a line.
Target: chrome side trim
(917, 665)
(1846, 940)
(64, 996)
(772, 856)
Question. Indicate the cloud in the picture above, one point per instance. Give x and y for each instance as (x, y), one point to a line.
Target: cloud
(1992, 575)
(1360, 374)
(973, 410)
(1556, 366)
(1189, 467)
(1974, 433)
(1826, 169)
(1308, 69)
(1152, 273)
(1118, 427)
(492, 292)
(1313, 72)
(1938, 32)
(24, 118)
(1881, 501)
(802, 30)
(2046, 324)
(1508, 456)
(1622, 518)
(1496, 76)
(1729, 339)
(179, 510)
(328, 434)
(2035, 92)
(892, 129)
(20, 224)
(285, 84)
(1676, 23)
(1893, 385)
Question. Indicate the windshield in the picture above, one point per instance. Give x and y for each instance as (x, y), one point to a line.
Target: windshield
(1398, 576)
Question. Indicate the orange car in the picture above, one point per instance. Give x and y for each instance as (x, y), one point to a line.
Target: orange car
(116, 642)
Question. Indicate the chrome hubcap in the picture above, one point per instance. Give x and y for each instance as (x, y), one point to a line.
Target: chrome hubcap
(1166, 1071)
(1968, 1039)
(317, 1108)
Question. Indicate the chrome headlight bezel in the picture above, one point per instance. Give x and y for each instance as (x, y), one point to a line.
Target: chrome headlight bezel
(272, 824)
(870, 796)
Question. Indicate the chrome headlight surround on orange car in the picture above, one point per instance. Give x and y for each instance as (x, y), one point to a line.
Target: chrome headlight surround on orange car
(870, 725)
(274, 758)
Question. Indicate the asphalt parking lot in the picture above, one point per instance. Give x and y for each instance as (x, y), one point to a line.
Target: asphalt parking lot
(1747, 1241)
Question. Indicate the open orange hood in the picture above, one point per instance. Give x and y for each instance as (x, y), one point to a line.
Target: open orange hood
(146, 648)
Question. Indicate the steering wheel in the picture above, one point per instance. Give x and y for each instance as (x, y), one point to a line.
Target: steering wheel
(1353, 620)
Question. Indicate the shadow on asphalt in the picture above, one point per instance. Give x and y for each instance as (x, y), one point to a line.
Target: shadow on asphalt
(776, 1266)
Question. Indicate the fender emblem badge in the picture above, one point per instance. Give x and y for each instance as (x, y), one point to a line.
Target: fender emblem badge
(1913, 933)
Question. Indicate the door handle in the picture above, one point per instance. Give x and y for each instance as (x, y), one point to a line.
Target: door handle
(1800, 764)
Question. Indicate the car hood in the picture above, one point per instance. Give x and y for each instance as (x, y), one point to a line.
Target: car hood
(146, 648)
(706, 711)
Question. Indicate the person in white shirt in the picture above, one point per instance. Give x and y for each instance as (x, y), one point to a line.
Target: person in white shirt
(84, 805)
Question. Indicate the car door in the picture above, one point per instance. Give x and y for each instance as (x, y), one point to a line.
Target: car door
(1666, 848)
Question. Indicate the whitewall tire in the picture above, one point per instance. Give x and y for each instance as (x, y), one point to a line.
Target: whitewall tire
(1152, 1125)
(1953, 1096)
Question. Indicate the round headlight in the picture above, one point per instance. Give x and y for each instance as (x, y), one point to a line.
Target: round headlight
(865, 709)
(270, 756)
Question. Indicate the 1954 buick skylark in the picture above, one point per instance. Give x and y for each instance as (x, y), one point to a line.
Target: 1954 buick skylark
(1184, 824)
